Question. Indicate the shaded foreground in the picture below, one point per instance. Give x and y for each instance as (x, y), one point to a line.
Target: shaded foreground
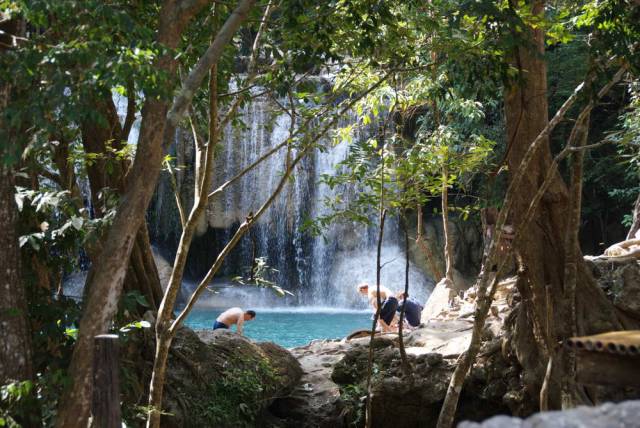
(218, 378)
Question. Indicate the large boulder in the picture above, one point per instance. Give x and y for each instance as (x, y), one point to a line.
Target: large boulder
(316, 401)
(609, 415)
(621, 283)
(214, 378)
(438, 301)
(414, 401)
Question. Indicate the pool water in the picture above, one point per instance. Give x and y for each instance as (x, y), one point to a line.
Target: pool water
(291, 327)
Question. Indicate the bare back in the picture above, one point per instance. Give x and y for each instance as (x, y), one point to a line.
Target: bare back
(231, 316)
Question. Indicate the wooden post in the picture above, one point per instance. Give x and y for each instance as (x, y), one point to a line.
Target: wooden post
(106, 383)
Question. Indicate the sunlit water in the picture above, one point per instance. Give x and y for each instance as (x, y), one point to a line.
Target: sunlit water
(291, 327)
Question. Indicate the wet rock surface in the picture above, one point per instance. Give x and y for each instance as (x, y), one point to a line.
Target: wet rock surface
(609, 415)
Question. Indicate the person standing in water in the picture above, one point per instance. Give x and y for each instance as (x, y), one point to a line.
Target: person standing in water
(233, 316)
(387, 309)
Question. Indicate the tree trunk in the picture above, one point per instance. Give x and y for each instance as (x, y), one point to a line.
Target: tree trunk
(204, 166)
(448, 245)
(108, 172)
(204, 178)
(635, 226)
(541, 249)
(15, 337)
(106, 277)
(406, 366)
(15, 340)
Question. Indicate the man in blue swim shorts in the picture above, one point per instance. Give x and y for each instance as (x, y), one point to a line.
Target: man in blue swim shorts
(233, 316)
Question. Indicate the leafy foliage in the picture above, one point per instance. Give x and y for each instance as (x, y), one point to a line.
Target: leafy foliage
(236, 399)
(258, 275)
(424, 139)
(432, 124)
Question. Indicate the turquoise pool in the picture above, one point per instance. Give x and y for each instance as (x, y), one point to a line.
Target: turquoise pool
(291, 327)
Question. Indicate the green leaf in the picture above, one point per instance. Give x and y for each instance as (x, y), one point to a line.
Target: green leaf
(142, 301)
(77, 222)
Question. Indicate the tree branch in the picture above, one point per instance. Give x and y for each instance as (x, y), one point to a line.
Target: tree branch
(131, 111)
(253, 72)
(210, 57)
(242, 173)
(176, 194)
(244, 227)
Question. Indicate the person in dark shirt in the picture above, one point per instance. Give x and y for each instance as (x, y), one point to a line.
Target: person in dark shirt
(412, 309)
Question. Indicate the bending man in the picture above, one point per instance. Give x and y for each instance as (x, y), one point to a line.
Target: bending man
(233, 316)
(388, 307)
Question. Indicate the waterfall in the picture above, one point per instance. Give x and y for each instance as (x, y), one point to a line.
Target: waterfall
(323, 270)
(320, 271)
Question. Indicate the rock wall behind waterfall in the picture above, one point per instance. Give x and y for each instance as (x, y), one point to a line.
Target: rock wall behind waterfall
(467, 244)
(319, 270)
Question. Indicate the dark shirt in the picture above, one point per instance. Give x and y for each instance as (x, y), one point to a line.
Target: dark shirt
(412, 311)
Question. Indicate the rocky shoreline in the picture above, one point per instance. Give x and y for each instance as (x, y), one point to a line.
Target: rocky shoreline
(332, 389)
(323, 384)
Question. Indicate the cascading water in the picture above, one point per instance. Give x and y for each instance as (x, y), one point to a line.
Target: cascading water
(321, 271)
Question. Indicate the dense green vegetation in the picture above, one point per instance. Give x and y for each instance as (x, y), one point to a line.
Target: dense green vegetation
(442, 88)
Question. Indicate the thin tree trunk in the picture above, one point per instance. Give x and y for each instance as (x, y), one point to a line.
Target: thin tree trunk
(383, 216)
(165, 328)
(204, 168)
(106, 277)
(551, 353)
(448, 244)
(406, 368)
(176, 193)
(164, 341)
(483, 303)
(368, 415)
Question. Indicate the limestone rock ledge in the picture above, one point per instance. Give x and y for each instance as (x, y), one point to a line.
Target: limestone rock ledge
(609, 415)
(332, 390)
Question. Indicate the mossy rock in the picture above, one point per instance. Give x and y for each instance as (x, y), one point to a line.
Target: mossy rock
(218, 378)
